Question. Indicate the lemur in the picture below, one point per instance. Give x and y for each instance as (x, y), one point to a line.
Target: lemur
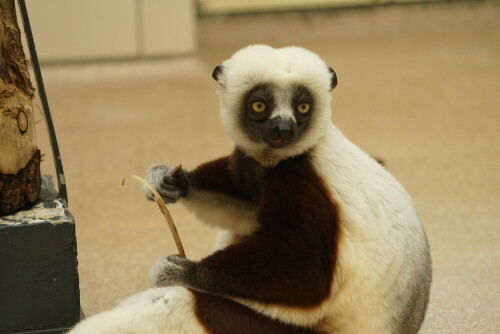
(315, 235)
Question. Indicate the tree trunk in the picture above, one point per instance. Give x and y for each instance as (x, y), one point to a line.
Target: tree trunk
(19, 156)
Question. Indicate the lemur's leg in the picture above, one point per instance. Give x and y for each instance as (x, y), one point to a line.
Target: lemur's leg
(228, 180)
(285, 262)
(155, 311)
(181, 311)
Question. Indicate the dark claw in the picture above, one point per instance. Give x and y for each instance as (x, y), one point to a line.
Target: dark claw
(176, 170)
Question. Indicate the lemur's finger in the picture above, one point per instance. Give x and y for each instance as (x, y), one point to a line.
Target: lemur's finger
(168, 185)
(150, 196)
(169, 193)
(176, 169)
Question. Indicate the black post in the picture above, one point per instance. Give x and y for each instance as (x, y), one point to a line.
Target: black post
(39, 290)
(61, 182)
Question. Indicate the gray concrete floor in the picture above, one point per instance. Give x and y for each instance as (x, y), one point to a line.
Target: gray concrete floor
(418, 86)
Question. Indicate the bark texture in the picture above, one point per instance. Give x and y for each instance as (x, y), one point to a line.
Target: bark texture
(21, 189)
(19, 155)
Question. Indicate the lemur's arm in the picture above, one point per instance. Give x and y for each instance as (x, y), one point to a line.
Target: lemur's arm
(289, 260)
(215, 181)
(222, 193)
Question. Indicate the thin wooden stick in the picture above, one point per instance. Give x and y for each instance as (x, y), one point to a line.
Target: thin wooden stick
(164, 211)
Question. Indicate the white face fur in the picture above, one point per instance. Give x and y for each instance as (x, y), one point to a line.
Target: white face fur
(287, 76)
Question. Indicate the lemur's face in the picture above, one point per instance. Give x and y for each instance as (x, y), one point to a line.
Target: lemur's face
(275, 99)
(276, 116)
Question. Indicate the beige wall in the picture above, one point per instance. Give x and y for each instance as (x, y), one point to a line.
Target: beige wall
(67, 30)
(79, 30)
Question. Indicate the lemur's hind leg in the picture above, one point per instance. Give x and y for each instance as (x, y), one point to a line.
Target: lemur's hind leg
(181, 311)
(154, 311)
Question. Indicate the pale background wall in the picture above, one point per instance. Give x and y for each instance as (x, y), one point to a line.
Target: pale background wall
(75, 30)
(72, 30)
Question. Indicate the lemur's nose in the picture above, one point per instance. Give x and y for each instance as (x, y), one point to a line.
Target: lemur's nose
(284, 128)
(284, 133)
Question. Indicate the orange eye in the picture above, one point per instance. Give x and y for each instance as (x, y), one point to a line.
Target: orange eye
(303, 108)
(258, 106)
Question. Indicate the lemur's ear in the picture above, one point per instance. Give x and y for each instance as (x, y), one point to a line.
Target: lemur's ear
(333, 82)
(217, 73)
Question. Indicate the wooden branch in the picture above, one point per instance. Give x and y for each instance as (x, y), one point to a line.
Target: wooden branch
(17, 125)
(164, 211)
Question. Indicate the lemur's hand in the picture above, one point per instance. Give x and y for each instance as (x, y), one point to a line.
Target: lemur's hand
(170, 271)
(171, 182)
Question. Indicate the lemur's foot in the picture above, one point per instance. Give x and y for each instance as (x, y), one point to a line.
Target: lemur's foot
(170, 271)
(172, 183)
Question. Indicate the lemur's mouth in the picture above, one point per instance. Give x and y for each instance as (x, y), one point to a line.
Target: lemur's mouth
(278, 132)
(276, 142)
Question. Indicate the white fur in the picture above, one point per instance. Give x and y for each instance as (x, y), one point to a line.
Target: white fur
(383, 248)
(222, 212)
(225, 238)
(283, 68)
(282, 105)
(155, 311)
